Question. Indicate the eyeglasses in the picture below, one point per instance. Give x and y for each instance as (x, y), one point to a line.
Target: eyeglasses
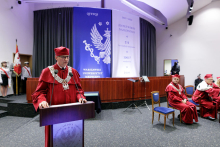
(64, 57)
(210, 79)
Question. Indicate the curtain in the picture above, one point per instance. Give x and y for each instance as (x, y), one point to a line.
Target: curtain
(147, 48)
(52, 28)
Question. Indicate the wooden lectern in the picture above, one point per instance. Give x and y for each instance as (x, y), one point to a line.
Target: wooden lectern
(67, 122)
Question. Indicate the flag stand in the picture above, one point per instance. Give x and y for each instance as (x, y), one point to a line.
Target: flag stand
(16, 85)
(17, 69)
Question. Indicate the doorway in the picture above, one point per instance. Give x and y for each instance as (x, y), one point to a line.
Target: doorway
(168, 64)
(23, 58)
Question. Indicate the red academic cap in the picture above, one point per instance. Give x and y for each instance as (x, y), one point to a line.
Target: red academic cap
(61, 51)
(208, 76)
(176, 76)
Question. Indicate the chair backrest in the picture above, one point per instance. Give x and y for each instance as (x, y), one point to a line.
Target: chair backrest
(155, 98)
(189, 90)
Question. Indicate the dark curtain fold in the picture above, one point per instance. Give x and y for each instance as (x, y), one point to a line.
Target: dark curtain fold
(52, 28)
(147, 48)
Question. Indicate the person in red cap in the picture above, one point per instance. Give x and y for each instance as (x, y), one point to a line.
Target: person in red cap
(178, 100)
(217, 82)
(65, 90)
(208, 92)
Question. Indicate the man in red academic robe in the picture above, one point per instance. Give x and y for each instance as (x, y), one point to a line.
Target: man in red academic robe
(209, 93)
(64, 88)
(178, 100)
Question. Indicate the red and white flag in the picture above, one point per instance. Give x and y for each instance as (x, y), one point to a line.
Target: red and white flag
(17, 63)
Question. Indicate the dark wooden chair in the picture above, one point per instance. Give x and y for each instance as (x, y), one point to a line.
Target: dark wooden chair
(189, 90)
(155, 97)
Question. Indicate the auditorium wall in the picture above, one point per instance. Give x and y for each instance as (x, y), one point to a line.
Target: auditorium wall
(16, 23)
(197, 47)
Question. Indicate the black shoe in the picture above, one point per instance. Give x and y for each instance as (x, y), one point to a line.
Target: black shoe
(211, 118)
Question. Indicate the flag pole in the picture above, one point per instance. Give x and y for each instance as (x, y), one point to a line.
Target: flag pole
(16, 77)
(16, 85)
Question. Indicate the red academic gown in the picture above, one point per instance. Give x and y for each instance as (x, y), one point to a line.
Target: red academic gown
(60, 96)
(188, 110)
(208, 107)
(216, 96)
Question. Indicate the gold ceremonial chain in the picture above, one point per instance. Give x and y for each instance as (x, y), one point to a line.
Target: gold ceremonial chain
(64, 82)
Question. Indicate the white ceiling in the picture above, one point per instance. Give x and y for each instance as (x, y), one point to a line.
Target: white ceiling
(173, 10)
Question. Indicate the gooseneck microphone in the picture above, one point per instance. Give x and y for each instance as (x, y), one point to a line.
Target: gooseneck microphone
(55, 72)
(71, 74)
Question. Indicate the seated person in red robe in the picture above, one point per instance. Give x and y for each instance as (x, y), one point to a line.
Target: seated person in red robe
(217, 82)
(65, 90)
(210, 99)
(178, 100)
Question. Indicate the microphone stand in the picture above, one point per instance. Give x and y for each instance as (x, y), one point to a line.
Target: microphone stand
(71, 74)
(55, 72)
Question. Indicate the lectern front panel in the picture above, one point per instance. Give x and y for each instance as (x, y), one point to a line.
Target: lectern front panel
(66, 112)
(68, 134)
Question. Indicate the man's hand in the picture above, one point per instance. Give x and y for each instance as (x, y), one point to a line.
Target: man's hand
(43, 104)
(184, 101)
(81, 100)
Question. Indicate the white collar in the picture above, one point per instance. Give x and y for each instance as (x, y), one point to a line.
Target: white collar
(203, 86)
(179, 90)
(60, 66)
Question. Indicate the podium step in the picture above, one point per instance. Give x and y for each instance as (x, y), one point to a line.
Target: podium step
(3, 113)
(4, 100)
(3, 106)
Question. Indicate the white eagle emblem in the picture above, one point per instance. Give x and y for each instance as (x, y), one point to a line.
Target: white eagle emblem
(105, 48)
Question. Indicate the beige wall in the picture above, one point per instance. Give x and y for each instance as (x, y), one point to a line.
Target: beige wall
(197, 47)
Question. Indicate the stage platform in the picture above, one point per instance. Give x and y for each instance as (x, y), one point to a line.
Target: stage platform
(18, 106)
(113, 90)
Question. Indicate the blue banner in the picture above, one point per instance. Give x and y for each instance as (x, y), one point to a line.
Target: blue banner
(92, 42)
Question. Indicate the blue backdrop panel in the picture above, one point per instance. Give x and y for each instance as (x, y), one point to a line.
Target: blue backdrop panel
(92, 42)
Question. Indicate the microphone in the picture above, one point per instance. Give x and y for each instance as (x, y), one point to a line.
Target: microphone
(55, 72)
(71, 74)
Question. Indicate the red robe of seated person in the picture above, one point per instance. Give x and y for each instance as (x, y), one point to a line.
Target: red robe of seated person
(216, 96)
(206, 91)
(60, 96)
(175, 97)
